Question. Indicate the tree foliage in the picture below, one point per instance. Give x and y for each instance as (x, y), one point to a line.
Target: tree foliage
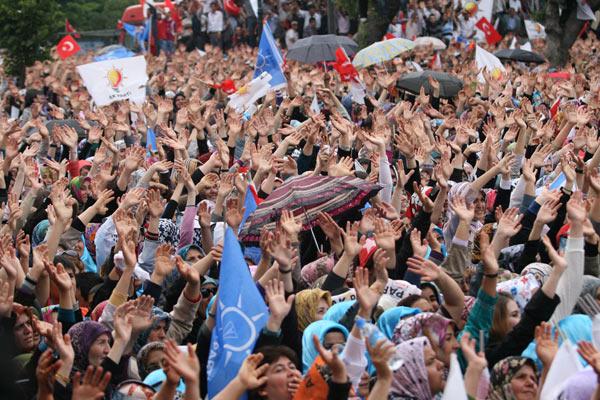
(89, 15)
(28, 29)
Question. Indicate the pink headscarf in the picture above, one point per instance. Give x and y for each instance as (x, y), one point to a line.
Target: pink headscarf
(411, 380)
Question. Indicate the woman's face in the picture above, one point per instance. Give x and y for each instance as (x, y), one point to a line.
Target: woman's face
(84, 191)
(428, 293)
(99, 350)
(25, 339)
(155, 360)
(524, 384)
(322, 308)
(479, 208)
(193, 255)
(279, 375)
(449, 346)
(435, 371)
(332, 339)
(159, 333)
(513, 313)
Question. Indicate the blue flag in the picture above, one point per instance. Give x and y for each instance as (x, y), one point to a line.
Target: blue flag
(269, 59)
(249, 205)
(151, 139)
(241, 315)
(139, 33)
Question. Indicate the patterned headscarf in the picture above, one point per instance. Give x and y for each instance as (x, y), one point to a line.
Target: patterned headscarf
(503, 372)
(421, 324)
(90, 235)
(411, 380)
(168, 232)
(521, 289)
(75, 186)
(83, 334)
(307, 302)
(142, 356)
(158, 315)
(540, 271)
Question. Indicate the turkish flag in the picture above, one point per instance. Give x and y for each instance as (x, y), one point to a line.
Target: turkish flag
(67, 47)
(343, 66)
(491, 35)
(69, 28)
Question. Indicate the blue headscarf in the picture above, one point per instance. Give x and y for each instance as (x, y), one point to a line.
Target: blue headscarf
(389, 319)
(87, 260)
(39, 232)
(337, 311)
(576, 327)
(319, 328)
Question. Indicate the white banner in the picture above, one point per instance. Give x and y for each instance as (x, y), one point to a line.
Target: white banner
(535, 30)
(115, 80)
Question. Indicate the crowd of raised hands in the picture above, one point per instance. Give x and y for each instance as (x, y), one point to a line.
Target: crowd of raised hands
(481, 240)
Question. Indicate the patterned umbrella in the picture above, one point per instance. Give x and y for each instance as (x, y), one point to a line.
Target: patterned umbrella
(428, 40)
(306, 196)
(382, 51)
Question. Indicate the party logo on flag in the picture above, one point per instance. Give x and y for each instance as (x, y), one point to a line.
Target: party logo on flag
(122, 79)
(67, 47)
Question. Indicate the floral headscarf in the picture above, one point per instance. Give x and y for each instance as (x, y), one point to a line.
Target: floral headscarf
(503, 372)
(75, 186)
(521, 289)
(168, 232)
(418, 325)
(540, 271)
(90, 236)
(411, 380)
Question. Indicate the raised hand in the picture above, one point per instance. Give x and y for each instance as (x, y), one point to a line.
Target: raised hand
(548, 211)
(59, 276)
(590, 354)
(333, 361)
(141, 314)
(250, 375)
(510, 223)
(163, 260)
(576, 208)
(419, 246)
(279, 307)
(546, 343)
(93, 385)
(352, 245)
(427, 269)
(233, 214)
(474, 359)
(282, 251)
(463, 211)
(367, 296)
(290, 224)
(186, 365)
(558, 262)
(381, 354)
(6, 298)
(384, 235)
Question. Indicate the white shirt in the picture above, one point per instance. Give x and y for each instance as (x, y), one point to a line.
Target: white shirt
(515, 4)
(215, 21)
(306, 15)
(291, 36)
(466, 26)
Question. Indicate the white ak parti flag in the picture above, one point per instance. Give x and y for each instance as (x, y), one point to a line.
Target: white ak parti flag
(248, 94)
(490, 62)
(115, 80)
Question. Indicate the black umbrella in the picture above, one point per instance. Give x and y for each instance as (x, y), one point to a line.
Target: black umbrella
(319, 48)
(412, 82)
(520, 55)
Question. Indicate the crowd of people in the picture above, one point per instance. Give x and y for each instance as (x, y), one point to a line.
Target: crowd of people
(481, 242)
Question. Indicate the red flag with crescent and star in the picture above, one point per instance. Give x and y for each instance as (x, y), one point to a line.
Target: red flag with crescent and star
(67, 47)
(491, 35)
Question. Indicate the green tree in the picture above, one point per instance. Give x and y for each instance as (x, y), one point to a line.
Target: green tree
(28, 30)
(90, 15)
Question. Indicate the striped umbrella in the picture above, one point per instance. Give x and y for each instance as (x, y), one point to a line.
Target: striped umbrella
(305, 197)
(382, 51)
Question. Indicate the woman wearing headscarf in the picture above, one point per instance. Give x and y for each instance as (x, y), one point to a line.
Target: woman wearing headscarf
(80, 188)
(514, 378)
(329, 333)
(439, 330)
(311, 305)
(421, 376)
